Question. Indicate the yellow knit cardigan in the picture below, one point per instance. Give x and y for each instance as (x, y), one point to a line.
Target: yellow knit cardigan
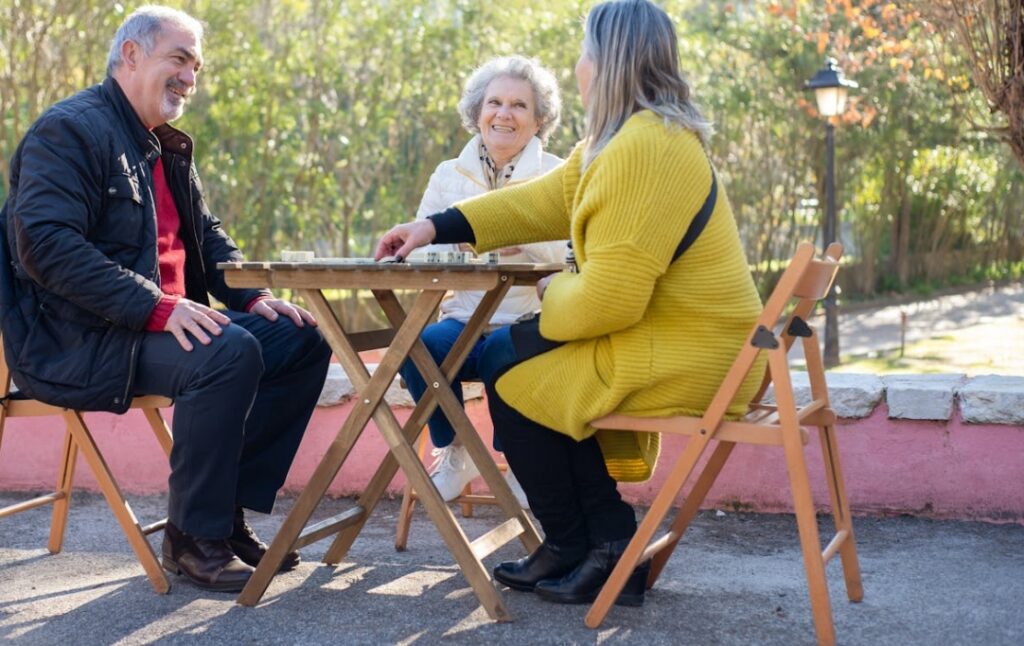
(644, 336)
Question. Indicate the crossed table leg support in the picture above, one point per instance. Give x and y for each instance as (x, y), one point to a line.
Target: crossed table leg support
(371, 389)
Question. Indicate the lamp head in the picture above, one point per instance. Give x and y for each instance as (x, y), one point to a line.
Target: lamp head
(830, 88)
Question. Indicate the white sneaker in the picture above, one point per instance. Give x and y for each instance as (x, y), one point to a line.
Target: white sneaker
(452, 471)
(517, 489)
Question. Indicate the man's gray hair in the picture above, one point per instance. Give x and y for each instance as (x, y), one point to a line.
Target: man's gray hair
(144, 25)
(547, 102)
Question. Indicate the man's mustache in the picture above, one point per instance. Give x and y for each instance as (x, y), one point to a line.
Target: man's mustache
(179, 87)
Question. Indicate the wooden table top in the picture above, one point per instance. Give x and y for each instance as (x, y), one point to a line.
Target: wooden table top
(328, 273)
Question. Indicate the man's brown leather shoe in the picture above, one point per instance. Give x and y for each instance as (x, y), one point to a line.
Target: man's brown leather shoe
(248, 547)
(208, 563)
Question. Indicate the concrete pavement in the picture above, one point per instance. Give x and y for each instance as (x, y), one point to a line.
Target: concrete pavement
(870, 329)
(736, 579)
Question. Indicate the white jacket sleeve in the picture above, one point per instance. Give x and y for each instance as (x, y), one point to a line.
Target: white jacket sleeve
(545, 252)
(433, 201)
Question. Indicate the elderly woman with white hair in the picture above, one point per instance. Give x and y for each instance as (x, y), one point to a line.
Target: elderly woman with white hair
(510, 105)
(648, 325)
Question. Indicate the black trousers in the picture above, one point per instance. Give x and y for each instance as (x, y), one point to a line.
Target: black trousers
(241, 406)
(566, 482)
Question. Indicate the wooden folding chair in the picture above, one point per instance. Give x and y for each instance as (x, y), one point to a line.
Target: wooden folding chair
(78, 437)
(804, 282)
(466, 500)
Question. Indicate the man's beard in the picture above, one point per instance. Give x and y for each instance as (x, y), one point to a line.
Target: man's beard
(172, 107)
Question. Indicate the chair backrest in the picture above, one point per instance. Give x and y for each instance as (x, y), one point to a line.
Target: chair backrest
(806, 278)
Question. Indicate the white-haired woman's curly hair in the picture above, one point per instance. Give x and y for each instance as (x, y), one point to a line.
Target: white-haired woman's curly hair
(546, 99)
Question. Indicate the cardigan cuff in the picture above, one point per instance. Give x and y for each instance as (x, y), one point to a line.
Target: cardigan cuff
(452, 227)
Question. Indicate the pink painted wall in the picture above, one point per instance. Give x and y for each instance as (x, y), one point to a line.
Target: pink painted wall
(936, 469)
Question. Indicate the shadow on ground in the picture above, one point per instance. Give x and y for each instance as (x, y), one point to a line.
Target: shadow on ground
(736, 579)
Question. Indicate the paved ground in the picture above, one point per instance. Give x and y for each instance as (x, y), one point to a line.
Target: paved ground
(737, 579)
(983, 329)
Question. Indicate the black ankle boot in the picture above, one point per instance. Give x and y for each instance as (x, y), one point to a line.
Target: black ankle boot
(582, 584)
(248, 547)
(546, 562)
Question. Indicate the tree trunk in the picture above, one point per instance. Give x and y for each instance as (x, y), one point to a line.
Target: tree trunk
(902, 242)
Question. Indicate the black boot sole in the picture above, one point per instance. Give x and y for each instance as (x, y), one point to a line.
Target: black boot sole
(627, 597)
(629, 600)
(172, 567)
(521, 587)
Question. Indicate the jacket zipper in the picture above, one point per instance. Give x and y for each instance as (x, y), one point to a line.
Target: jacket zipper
(156, 279)
(131, 370)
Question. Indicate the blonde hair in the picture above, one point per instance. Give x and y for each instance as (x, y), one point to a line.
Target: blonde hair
(632, 44)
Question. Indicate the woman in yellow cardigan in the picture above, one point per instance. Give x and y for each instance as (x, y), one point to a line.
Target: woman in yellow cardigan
(637, 329)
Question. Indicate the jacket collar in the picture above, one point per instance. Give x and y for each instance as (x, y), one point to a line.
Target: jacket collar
(174, 141)
(147, 142)
(529, 165)
(151, 143)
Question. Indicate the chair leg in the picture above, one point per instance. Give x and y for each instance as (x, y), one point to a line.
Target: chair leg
(160, 429)
(841, 513)
(405, 513)
(69, 456)
(834, 475)
(645, 532)
(467, 507)
(803, 502)
(690, 508)
(408, 508)
(115, 499)
(810, 539)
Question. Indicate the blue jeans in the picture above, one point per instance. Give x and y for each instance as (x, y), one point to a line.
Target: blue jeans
(481, 363)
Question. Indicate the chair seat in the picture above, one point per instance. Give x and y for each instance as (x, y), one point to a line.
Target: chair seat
(18, 405)
(78, 437)
(759, 426)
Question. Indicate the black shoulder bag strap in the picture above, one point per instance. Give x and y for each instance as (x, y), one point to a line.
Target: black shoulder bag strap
(526, 337)
(699, 221)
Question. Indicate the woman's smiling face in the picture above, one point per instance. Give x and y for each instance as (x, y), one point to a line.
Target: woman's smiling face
(508, 117)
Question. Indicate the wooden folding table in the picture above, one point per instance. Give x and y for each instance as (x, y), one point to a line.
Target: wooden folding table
(430, 282)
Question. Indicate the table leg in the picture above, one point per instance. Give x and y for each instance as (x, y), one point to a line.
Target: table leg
(456, 414)
(371, 391)
(400, 442)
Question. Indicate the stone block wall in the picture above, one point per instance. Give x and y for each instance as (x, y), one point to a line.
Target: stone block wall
(944, 446)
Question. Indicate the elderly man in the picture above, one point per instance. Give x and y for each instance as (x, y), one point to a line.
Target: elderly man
(111, 257)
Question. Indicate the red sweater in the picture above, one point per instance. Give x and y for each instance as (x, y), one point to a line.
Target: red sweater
(170, 253)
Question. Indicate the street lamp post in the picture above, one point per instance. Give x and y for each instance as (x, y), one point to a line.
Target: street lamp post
(830, 88)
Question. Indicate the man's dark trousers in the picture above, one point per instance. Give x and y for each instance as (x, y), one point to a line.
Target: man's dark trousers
(241, 405)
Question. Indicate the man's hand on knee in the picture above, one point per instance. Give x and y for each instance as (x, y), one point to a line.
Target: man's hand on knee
(196, 319)
(271, 308)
